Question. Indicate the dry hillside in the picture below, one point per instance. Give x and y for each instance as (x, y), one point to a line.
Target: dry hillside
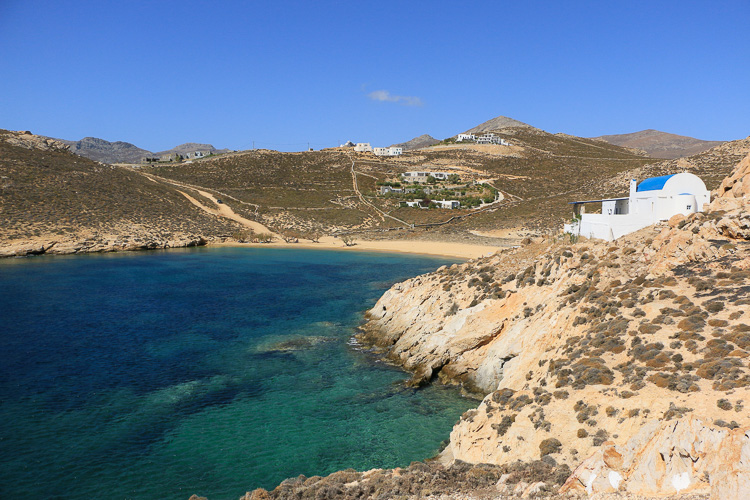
(54, 201)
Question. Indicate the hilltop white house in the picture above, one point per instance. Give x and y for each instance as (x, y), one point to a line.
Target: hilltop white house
(654, 200)
(391, 151)
(363, 147)
(488, 138)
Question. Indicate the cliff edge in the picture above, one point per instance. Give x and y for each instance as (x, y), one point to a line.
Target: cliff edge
(589, 350)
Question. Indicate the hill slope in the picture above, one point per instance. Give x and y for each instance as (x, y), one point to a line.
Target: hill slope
(661, 144)
(56, 202)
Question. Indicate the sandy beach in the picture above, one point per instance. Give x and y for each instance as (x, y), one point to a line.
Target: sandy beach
(425, 247)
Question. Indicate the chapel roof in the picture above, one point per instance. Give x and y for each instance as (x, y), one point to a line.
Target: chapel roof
(653, 183)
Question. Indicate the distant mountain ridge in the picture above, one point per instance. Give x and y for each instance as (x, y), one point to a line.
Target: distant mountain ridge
(661, 144)
(496, 123)
(191, 147)
(422, 141)
(124, 152)
(105, 151)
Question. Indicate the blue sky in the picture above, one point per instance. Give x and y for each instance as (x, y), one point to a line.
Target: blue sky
(282, 73)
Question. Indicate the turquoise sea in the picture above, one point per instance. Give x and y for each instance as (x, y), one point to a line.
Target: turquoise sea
(156, 375)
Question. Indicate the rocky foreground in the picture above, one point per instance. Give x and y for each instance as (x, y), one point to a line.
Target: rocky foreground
(626, 362)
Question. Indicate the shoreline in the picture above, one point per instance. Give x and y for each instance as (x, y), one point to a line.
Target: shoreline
(435, 248)
(417, 247)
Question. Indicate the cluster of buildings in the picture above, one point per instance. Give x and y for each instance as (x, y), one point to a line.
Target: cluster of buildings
(488, 138)
(422, 177)
(447, 204)
(654, 200)
(175, 156)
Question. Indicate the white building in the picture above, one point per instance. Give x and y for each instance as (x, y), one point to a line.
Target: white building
(390, 189)
(654, 200)
(363, 147)
(465, 137)
(491, 138)
(392, 151)
(449, 204)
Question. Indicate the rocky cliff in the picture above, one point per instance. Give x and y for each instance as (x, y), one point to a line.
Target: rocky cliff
(590, 350)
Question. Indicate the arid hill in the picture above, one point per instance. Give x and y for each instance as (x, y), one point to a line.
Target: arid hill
(661, 144)
(53, 201)
(420, 142)
(525, 185)
(315, 190)
(497, 123)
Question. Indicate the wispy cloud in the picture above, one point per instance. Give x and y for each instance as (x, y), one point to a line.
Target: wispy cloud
(404, 100)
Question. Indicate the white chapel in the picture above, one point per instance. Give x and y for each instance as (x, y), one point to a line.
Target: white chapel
(653, 200)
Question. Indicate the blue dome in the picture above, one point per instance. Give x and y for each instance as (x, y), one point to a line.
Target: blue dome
(653, 183)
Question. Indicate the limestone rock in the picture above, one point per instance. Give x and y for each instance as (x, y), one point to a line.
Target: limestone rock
(664, 458)
(737, 185)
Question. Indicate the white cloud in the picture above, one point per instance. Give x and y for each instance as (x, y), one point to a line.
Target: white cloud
(404, 100)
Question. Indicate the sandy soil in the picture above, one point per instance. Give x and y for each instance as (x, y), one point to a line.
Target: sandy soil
(438, 248)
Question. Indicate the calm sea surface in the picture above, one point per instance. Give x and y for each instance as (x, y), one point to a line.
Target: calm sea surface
(211, 371)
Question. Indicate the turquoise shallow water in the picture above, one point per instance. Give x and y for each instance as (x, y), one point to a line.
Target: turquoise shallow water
(209, 371)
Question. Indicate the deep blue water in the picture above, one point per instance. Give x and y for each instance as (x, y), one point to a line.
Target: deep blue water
(210, 371)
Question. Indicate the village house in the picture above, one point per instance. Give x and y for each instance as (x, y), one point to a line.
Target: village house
(654, 200)
(363, 147)
(390, 189)
(197, 154)
(465, 137)
(392, 151)
(449, 204)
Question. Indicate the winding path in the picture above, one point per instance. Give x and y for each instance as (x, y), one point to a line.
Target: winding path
(223, 209)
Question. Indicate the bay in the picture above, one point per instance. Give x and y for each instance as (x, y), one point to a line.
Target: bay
(209, 371)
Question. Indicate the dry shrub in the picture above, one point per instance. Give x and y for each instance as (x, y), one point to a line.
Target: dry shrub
(550, 446)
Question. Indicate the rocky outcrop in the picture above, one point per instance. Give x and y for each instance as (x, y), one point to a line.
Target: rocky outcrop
(737, 185)
(573, 346)
(686, 456)
(97, 245)
(538, 479)
(27, 140)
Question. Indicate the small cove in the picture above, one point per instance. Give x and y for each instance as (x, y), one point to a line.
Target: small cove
(209, 371)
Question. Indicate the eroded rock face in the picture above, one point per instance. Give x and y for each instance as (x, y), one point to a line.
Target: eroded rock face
(26, 139)
(737, 185)
(684, 456)
(588, 343)
(73, 245)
